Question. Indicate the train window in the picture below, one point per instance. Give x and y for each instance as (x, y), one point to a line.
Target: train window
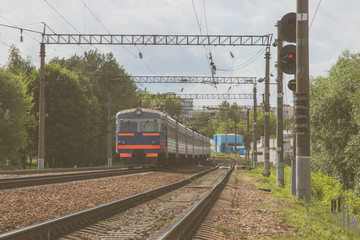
(163, 126)
(149, 126)
(171, 132)
(128, 126)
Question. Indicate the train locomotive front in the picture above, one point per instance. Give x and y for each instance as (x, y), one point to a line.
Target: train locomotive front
(139, 140)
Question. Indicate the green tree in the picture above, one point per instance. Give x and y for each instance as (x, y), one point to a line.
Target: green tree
(100, 74)
(24, 70)
(334, 119)
(202, 123)
(163, 102)
(17, 65)
(225, 118)
(67, 119)
(14, 117)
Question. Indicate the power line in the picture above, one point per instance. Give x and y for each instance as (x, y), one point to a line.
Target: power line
(66, 22)
(206, 24)
(8, 45)
(14, 26)
(61, 16)
(25, 32)
(107, 30)
(197, 20)
(317, 8)
(250, 61)
(95, 16)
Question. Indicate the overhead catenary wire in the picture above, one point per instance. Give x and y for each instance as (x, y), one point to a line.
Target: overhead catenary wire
(108, 31)
(317, 8)
(53, 8)
(24, 54)
(68, 22)
(27, 31)
(199, 25)
(247, 63)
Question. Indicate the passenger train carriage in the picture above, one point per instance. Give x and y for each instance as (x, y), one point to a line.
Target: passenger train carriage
(147, 137)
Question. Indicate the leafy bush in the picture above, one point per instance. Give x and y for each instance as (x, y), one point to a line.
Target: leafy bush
(323, 187)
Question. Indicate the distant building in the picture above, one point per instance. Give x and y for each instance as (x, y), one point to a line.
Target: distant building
(288, 148)
(211, 112)
(188, 106)
(288, 111)
(226, 143)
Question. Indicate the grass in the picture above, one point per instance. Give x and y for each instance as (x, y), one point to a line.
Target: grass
(196, 181)
(230, 155)
(127, 223)
(311, 220)
(111, 223)
(161, 223)
(237, 231)
(9, 166)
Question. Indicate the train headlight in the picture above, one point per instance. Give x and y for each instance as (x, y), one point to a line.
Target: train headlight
(153, 142)
(123, 142)
(138, 112)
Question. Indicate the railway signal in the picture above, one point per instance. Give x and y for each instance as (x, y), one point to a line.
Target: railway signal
(288, 27)
(286, 64)
(292, 85)
(287, 61)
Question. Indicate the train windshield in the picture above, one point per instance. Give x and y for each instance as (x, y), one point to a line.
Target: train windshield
(128, 126)
(149, 126)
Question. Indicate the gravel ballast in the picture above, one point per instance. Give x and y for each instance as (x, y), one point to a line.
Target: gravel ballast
(26, 206)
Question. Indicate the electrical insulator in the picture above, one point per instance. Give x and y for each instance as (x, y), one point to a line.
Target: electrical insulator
(21, 36)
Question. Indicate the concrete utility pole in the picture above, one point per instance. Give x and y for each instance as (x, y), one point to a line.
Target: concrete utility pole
(41, 149)
(248, 138)
(254, 133)
(303, 184)
(279, 119)
(293, 161)
(235, 136)
(266, 171)
(109, 128)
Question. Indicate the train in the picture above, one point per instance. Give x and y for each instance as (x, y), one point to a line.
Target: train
(147, 137)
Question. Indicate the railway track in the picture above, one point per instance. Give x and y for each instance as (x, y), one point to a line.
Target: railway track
(62, 175)
(56, 170)
(17, 182)
(58, 227)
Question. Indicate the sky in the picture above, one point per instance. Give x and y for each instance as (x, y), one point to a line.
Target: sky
(333, 24)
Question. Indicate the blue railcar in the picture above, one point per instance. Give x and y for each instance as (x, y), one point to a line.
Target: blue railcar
(147, 137)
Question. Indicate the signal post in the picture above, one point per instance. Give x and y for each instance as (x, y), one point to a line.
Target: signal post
(302, 116)
(295, 60)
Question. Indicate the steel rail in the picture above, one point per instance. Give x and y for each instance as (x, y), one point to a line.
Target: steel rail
(59, 226)
(9, 183)
(187, 225)
(56, 170)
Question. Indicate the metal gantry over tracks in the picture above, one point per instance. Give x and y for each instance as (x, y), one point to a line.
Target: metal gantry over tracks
(204, 96)
(121, 39)
(188, 79)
